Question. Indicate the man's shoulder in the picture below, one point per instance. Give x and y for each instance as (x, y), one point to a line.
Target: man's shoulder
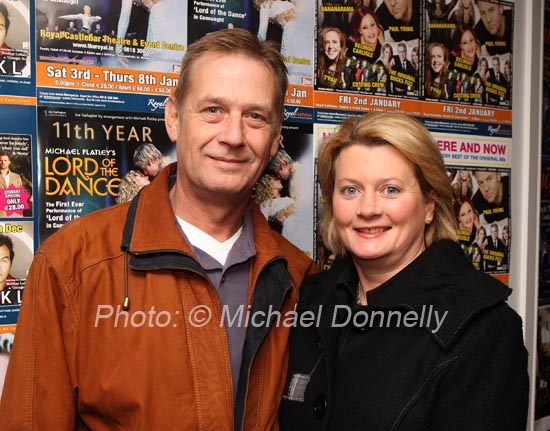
(96, 235)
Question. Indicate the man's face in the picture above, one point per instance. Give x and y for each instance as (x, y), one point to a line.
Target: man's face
(402, 51)
(490, 186)
(4, 162)
(228, 127)
(496, 65)
(492, 16)
(151, 168)
(5, 265)
(400, 9)
(3, 30)
(494, 232)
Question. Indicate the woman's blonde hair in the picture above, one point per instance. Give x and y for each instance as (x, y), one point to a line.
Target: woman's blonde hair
(415, 143)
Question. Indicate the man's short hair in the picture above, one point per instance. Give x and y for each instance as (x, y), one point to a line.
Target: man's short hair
(6, 240)
(4, 11)
(238, 42)
(146, 152)
(275, 163)
(5, 153)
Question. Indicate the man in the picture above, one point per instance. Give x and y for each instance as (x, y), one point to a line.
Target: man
(150, 160)
(496, 78)
(12, 61)
(492, 199)
(7, 177)
(403, 67)
(192, 251)
(401, 18)
(494, 253)
(494, 29)
(7, 282)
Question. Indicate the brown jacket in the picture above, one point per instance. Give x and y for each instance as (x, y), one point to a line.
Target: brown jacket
(80, 362)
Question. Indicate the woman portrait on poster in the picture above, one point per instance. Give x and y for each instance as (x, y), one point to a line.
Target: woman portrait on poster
(366, 36)
(393, 231)
(477, 249)
(467, 218)
(387, 61)
(330, 58)
(275, 208)
(483, 69)
(437, 71)
(130, 185)
(466, 50)
(415, 59)
(464, 13)
(464, 185)
(438, 16)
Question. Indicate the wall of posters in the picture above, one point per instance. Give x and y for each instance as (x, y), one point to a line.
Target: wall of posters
(83, 86)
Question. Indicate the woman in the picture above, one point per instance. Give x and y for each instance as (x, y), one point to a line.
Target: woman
(275, 208)
(387, 62)
(467, 218)
(130, 184)
(436, 72)
(366, 36)
(466, 50)
(330, 58)
(438, 15)
(393, 228)
(477, 249)
(464, 185)
(464, 13)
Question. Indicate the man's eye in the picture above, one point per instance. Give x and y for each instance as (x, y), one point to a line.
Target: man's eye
(213, 110)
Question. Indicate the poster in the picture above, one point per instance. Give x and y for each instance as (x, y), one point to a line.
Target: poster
(88, 160)
(283, 192)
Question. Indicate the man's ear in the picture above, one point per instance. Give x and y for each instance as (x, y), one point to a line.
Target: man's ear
(171, 118)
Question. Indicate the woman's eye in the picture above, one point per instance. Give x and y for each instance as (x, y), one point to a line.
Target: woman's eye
(390, 190)
(349, 191)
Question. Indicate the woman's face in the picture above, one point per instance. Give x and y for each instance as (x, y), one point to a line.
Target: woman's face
(505, 235)
(380, 212)
(468, 45)
(141, 180)
(388, 53)
(276, 185)
(466, 3)
(332, 45)
(437, 60)
(414, 57)
(368, 30)
(481, 235)
(466, 217)
(483, 65)
(463, 175)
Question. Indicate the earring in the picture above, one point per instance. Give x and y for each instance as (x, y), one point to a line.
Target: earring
(428, 219)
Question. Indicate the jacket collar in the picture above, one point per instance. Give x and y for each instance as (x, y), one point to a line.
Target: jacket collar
(441, 277)
(153, 238)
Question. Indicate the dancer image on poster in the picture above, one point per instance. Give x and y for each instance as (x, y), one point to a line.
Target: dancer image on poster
(130, 184)
(492, 197)
(295, 20)
(274, 207)
(86, 18)
(149, 159)
(437, 71)
(330, 58)
(464, 185)
(494, 29)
